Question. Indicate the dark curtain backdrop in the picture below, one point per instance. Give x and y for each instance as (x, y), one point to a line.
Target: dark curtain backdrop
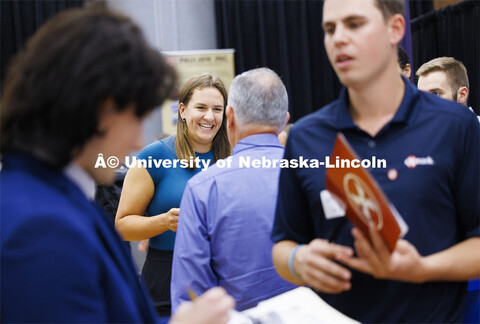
(419, 7)
(20, 19)
(285, 36)
(452, 31)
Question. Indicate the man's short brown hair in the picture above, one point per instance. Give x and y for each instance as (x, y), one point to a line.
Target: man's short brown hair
(390, 7)
(454, 70)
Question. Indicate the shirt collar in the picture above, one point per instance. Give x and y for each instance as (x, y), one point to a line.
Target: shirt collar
(81, 178)
(404, 114)
(257, 140)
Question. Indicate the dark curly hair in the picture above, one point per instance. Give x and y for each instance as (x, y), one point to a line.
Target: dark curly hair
(55, 86)
(403, 59)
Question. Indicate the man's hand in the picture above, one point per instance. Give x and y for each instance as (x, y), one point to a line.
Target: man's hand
(210, 308)
(315, 266)
(405, 263)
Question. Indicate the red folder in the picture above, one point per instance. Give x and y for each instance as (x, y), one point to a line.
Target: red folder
(365, 201)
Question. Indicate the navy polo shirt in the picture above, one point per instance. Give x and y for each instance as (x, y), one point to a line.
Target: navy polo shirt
(432, 146)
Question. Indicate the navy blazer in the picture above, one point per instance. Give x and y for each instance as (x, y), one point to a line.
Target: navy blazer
(61, 258)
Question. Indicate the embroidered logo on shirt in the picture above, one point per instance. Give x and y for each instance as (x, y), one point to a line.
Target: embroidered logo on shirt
(412, 161)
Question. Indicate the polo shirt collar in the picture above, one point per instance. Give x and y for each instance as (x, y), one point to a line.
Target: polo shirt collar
(257, 140)
(404, 114)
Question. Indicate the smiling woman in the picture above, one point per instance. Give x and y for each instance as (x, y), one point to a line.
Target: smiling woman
(148, 207)
(201, 116)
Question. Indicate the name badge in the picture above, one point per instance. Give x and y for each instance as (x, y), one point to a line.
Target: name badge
(332, 207)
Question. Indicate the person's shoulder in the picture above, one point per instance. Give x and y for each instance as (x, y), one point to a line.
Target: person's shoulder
(164, 148)
(205, 178)
(444, 109)
(324, 115)
(40, 210)
(220, 172)
(320, 121)
(27, 192)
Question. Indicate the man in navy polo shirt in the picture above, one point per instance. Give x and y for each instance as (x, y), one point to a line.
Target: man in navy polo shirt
(432, 177)
(447, 78)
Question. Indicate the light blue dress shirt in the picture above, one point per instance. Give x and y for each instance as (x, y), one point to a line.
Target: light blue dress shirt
(223, 236)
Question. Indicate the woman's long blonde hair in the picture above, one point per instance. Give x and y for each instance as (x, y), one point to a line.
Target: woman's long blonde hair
(220, 144)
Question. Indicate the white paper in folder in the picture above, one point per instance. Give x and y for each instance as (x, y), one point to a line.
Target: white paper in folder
(300, 305)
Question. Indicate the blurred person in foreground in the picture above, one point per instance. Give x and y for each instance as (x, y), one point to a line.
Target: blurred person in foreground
(81, 87)
(432, 178)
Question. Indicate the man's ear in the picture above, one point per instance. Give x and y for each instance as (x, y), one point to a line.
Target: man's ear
(230, 114)
(231, 130)
(288, 118)
(396, 28)
(408, 70)
(462, 95)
